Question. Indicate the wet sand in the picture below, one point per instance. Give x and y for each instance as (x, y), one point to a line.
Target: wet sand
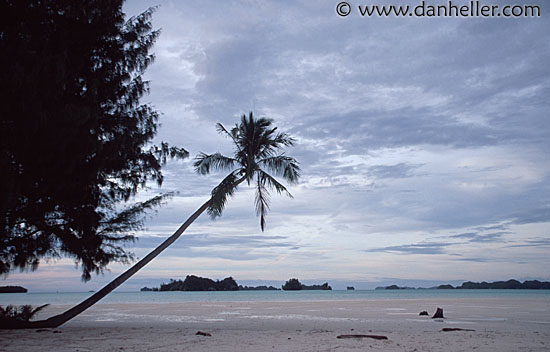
(500, 324)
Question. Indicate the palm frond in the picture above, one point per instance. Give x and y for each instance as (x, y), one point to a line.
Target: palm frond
(258, 154)
(222, 130)
(234, 135)
(273, 183)
(33, 312)
(253, 133)
(265, 143)
(273, 143)
(283, 140)
(221, 193)
(205, 162)
(284, 166)
(262, 201)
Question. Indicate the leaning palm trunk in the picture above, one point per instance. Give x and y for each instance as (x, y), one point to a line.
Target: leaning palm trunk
(62, 318)
(257, 145)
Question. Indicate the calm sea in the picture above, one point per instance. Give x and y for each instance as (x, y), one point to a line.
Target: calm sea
(259, 296)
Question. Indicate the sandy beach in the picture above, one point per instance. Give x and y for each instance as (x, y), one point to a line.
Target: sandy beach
(493, 325)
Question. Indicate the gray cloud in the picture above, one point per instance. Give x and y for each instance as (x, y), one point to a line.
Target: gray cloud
(352, 87)
(543, 242)
(531, 216)
(404, 127)
(474, 260)
(492, 227)
(418, 248)
(401, 170)
(238, 248)
(441, 247)
(468, 235)
(225, 241)
(490, 238)
(485, 238)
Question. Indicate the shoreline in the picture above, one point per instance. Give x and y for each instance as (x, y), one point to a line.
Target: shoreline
(503, 324)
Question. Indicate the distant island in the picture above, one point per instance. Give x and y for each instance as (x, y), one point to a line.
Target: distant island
(258, 288)
(469, 285)
(395, 287)
(296, 285)
(195, 283)
(149, 289)
(13, 289)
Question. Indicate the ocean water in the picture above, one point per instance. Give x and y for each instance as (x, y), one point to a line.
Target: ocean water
(269, 296)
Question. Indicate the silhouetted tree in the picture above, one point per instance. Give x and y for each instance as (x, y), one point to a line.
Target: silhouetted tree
(13, 316)
(74, 138)
(258, 149)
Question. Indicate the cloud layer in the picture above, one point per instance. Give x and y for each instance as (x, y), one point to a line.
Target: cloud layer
(423, 142)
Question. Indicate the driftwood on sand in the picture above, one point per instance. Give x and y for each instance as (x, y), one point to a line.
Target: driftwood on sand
(361, 336)
(455, 329)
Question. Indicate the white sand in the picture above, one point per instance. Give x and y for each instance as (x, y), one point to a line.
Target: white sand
(499, 324)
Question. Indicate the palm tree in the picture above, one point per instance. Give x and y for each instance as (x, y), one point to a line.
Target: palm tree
(258, 151)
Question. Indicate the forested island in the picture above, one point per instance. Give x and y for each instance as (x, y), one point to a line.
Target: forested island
(296, 285)
(12, 289)
(195, 283)
(469, 285)
(258, 288)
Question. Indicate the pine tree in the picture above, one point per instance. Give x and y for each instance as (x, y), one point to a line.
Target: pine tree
(75, 141)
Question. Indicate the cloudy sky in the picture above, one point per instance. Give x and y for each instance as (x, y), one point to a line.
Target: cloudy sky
(424, 145)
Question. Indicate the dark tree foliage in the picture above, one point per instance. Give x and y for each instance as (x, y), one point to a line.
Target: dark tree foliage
(324, 286)
(257, 144)
(296, 285)
(292, 285)
(13, 316)
(74, 138)
(195, 283)
(13, 289)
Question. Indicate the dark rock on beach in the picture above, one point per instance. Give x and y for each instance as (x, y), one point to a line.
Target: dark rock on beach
(438, 314)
